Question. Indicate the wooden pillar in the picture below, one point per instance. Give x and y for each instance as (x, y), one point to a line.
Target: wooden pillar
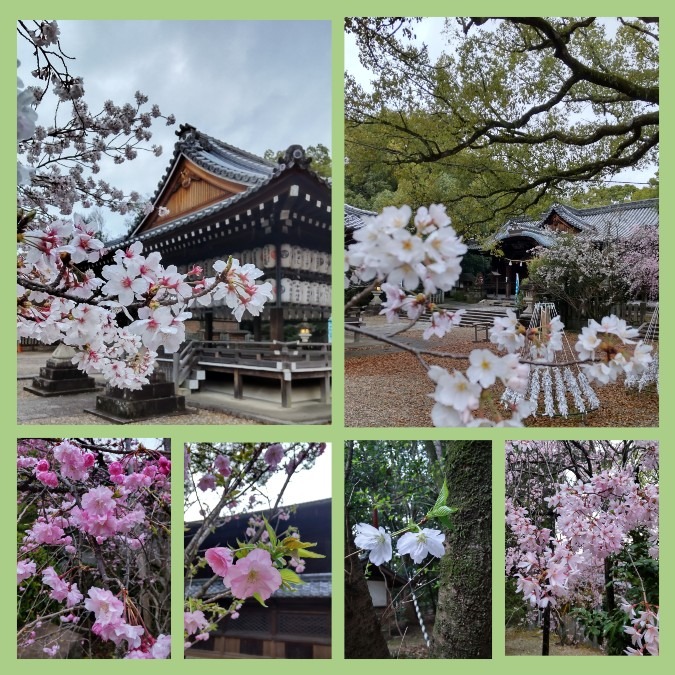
(238, 389)
(277, 323)
(286, 393)
(325, 388)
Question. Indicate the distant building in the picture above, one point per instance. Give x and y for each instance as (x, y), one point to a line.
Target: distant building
(296, 624)
(518, 236)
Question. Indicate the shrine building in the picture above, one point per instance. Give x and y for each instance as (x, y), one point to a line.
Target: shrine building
(517, 237)
(216, 200)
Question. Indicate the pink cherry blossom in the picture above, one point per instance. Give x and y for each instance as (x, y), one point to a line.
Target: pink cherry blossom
(220, 560)
(254, 574)
(105, 606)
(24, 570)
(273, 455)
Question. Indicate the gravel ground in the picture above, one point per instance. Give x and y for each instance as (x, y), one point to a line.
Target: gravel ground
(385, 387)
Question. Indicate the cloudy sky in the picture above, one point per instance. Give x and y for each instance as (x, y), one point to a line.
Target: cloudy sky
(305, 486)
(254, 84)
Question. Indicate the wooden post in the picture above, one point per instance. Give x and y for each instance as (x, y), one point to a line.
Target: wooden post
(277, 323)
(238, 384)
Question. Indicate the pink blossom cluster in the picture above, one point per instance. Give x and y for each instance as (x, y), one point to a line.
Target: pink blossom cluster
(263, 559)
(61, 590)
(221, 467)
(252, 574)
(195, 623)
(597, 515)
(235, 285)
(643, 631)
(458, 396)
(59, 302)
(606, 341)
(106, 501)
(591, 517)
(386, 249)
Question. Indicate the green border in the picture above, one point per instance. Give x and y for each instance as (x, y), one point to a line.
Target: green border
(335, 433)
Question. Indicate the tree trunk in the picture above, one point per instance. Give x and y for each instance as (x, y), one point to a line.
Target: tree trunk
(610, 600)
(463, 627)
(546, 626)
(546, 631)
(363, 632)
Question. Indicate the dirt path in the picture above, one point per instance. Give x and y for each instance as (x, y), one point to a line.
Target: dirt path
(528, 643)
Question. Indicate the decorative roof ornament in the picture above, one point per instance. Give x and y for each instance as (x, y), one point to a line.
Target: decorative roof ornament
(294, 156)
(651, 374)
(566, 389)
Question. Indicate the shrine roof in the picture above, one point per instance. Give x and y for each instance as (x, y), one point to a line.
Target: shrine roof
(219, 158)
(620, 221)
(225, 161)
(355, 218)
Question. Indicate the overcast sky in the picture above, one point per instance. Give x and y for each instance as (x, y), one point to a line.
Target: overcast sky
(253, 84)
(430, 31)
(305, 486)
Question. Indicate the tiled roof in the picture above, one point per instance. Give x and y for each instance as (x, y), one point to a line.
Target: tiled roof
(619, 221)
(354, 218)
(220, 158)
(223, 160)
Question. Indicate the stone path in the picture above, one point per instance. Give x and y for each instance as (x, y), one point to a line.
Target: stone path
(206, 408)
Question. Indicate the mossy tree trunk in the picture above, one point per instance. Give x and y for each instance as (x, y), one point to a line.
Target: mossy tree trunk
(463, 627)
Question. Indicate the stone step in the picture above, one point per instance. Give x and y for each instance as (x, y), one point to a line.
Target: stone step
(472, 317)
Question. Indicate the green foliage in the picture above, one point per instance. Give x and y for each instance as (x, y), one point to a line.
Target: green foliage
(396, 478)
(440, 511)
(513, 115)
(474, 263)
(605, 195)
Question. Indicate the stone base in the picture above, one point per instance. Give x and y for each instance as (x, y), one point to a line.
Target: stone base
(123, 406)
(60, 377)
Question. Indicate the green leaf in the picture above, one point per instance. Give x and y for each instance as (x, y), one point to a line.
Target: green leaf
(259, 599)
(290, 577)
(304, 553)
(445, 522)
(271, 532)
(440, 502)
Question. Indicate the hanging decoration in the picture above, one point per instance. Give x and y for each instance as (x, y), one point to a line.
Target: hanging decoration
(566, 390)
(651, 374)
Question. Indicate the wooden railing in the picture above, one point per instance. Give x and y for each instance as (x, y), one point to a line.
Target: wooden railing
(283, 361)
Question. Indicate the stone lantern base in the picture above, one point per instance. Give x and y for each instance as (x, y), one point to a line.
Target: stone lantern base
(123, 406)
(60, 376)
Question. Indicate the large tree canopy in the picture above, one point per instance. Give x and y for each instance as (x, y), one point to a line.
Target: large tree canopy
(516, 111)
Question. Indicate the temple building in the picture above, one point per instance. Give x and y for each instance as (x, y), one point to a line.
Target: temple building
(216, 200)
(517, 237)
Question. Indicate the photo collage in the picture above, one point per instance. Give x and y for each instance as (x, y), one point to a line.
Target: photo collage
(384, 293)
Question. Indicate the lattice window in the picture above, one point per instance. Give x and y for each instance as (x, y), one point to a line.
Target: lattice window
(250, 622)
(294, 623)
